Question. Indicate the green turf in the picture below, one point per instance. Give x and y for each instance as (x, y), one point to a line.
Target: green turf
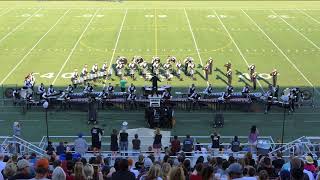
(62, 36)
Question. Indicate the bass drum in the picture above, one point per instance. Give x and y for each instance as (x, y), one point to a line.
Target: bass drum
(306, 95)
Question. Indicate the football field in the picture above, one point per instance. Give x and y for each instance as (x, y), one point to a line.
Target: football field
(52, 39)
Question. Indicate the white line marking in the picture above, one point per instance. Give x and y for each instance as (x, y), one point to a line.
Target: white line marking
(116, 45)
(280, 50)
(18, 64)
(194, 40)
(240, 52)
(19, 25)
(309, 16)
(296, 30)
(5, 11)
(74, 47)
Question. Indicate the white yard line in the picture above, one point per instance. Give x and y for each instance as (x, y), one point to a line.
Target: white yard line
(315, 20)
(240, 52)
(296, 30)
(117, 41)
(19, 25)
(5, 11)
(280, 50)
(24, 57)
(74, 47)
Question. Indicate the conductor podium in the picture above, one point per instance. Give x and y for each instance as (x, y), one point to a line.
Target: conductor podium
(157, 115)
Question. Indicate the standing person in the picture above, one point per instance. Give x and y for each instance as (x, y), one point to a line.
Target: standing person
(274, 75)
(235, 144)
(188, 145)
(17, 133)
(42, 169)
(228, 66)
(96, 136)
(157, 143)
(210, 62)
(136, 143)
(114, 142)
(175, 145)
(80, 145)
(253, 138)
(123, 83)
(206, 69)
(229, 76)
(124, 142)
(154, 81)
(215, 139)
(252, 69)
(254, 77)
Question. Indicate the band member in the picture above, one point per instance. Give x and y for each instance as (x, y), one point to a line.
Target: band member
(192, 66)
(191, 90)
(94, 71)
(245, 91)
(88, 88)
(103, 70)
(194, 96)
(155, 67)
(121, 60)
(155, 60)
(144, 66)
(171, 59)
(137, 59)
(178, 66)
(45, 96)
(229, 76)
(41, 90)
(229, 90)
(206, 69)
(187, 61)
(110, 89)
(27, 82)
(209, 89)
(252, 69)
(75, 77)
(132, 67)
(228, 66)
(210, 62)
(51, 90)
(119, 68)
(254, 80)
(69, 89)
(132, 89)
(167, 67)
(84, 72)
(32, 79)
(132, 101)
(274, 75)
(154, 81)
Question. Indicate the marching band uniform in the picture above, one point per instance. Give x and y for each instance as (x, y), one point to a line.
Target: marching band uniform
(51, 90)
(166, 95)
(228, 66)
(178, 66)
(84, 72)
(102, 94)
(229, 76)
(119, 68)
(94, 71)
(75, 77)
(144, 66)
(245, 91)
(229, 90)
(254, 80)
(167, 67)
(110, 89)
(191, 90)
(209, 89)
(88, 89)
(41, 90)
(187, 61)
(69, 89)
(156, 68)
(132, 67)
(274, 75)
(252, 69)
(103, 70)
(192, 66)
(210, 62)
(132, 89)
(207, 71)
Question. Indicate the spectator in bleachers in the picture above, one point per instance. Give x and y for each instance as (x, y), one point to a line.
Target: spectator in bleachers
(9, 171)
(263, 175)
(188, 145)
(61, 149)
(157, 144)
(207, 173)
(153, 173)
(2, 164)
(50, 149)
(284, 175)
(147, 163)
(175, 146)
(16, 132)
(253, 138)
(78, 173)
(165, 170)
(136, 143)
(250, 173)
(114, 142)
(297, 170)
(265, 164)
(235, 144)
(123, 172)
(80, 145)
(132, 169)
(278, 162)
(309, 164)
(235, 171)
(176, 173)
(97, 174)
(23, 170)
(58, 174)
(139, 164)
(42, 169)
(124, 141)
(88, 172)
(248, 160)
(196, 174)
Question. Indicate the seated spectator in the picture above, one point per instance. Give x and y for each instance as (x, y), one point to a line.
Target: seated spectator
(175, 146)
(131, 169)
(80, 145)
(263, 175)
(50, 148)
(248, 160)
(145, 168)
(42, 169)
(23, 170)
(176, 173)
(207, 173)
(250, 173)
(139, 164)
(188, 145)
(9, 171)
(61, 149)
(278, 162)
(309, 166)
(88, 171)
(284, 175)
(136, 143)
(235, 171)
(2, 164)
(153, 173)
(58, 174)
(297, 170)
(165, 170)
(123, 172)
(265, 164)
(235, 144)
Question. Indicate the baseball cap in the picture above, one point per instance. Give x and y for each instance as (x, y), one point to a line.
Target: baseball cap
(22, 164)
(235, 168)
(44, 163)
